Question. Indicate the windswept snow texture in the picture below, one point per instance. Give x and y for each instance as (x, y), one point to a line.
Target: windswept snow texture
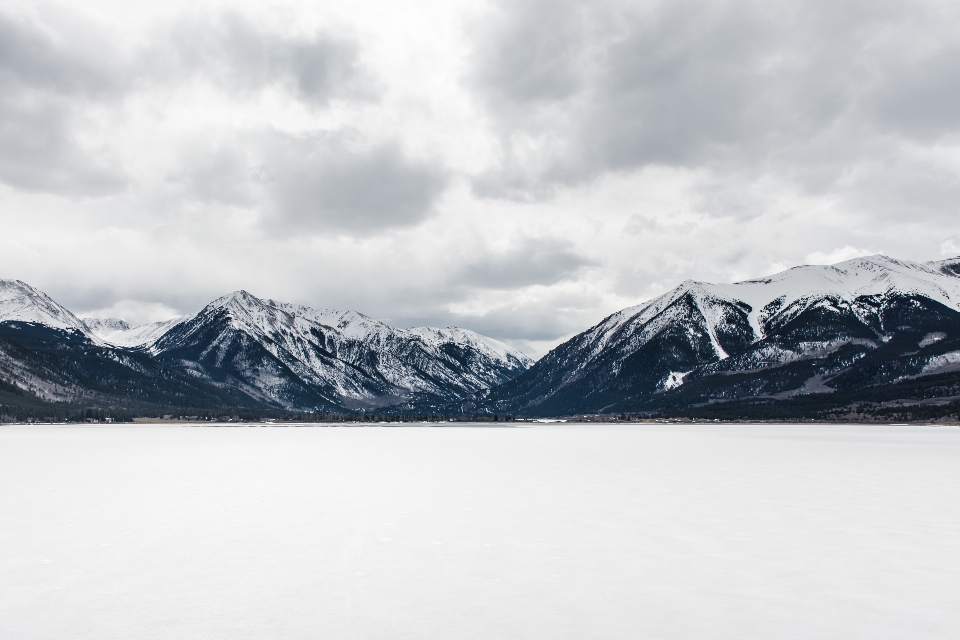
(707, 329)
(552, 532)
(303, 357)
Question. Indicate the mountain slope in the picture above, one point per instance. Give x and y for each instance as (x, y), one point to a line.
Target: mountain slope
(62, 366)
(813, 329)
(244, 351)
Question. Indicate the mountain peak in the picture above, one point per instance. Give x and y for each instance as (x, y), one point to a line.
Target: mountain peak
(20, 302)
(238, 300)
(241, 295)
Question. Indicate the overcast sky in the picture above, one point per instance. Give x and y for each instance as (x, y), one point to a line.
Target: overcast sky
(521, 168)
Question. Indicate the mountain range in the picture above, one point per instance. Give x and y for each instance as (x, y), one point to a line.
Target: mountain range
(244, 351)
(868, 336)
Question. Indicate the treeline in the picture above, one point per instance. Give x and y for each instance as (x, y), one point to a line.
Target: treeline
(799, 410)
(17, 405)
(926, 399)
(921, 399)
(434, 417)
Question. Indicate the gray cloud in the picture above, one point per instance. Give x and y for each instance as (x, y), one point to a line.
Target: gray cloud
(38, 151)
(533, 51)
(216, 171)
(800, 90)
(44, 85)
(30, 57)
(921, 95)
(322, 184)
(315, 183)
(237, 53)
(532, 262)
(683, 138)
(50, 80)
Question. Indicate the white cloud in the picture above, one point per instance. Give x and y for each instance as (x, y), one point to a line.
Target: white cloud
(134, 312)
(837, 255)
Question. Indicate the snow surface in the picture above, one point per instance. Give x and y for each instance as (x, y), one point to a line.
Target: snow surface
(552, 532)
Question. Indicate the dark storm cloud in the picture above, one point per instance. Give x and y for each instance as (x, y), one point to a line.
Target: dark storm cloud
(239, 54)
(533, 262)
(800, 89)
(323, 184)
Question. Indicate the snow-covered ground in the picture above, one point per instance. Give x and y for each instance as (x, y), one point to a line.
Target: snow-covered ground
(568, 531)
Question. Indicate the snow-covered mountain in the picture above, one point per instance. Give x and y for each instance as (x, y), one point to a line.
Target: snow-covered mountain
(850, 328)
(255, 351)
(252, 351)
(48, 355)
(19, 302)
(702, 333)
(297, 355)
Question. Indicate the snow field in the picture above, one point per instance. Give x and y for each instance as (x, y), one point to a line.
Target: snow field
(570, 531)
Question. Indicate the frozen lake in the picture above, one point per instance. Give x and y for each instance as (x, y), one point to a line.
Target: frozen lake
(577, 532)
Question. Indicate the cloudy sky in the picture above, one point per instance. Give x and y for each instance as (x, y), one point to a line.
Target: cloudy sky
(519, 168)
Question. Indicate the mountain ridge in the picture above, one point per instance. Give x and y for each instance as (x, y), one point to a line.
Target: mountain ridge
(282, 355)
(346, 355)
(867, 334)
